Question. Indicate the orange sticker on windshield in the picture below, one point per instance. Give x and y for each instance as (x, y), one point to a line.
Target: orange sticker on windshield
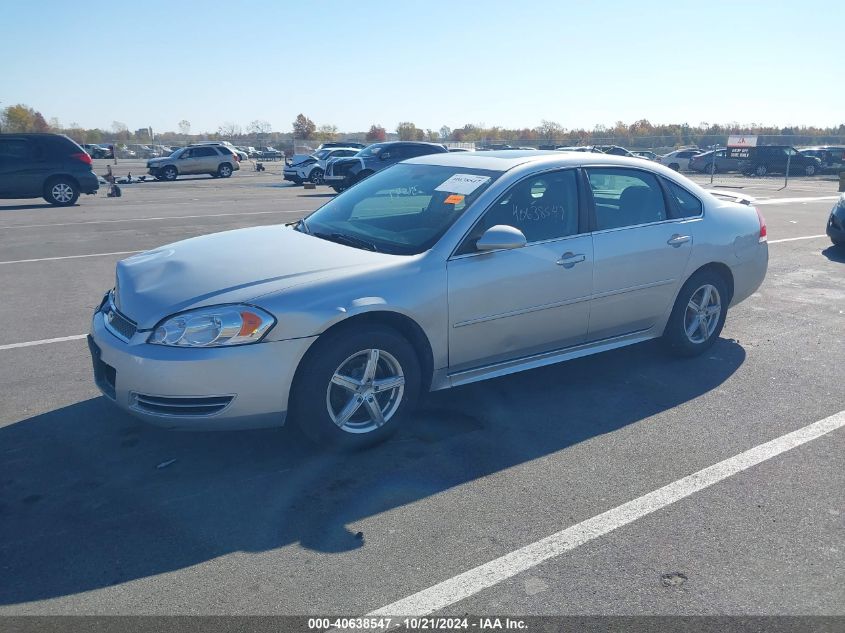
(454, 199)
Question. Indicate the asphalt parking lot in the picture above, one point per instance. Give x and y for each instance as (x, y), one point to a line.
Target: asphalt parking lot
(100, 514)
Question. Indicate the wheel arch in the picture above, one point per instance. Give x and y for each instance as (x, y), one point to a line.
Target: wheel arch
(721, 269)
(401, 323)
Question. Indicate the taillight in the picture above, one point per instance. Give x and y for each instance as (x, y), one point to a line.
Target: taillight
(85, 158)
(763, 232)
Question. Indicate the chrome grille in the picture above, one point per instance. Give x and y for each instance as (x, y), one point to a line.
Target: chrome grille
(180, 405)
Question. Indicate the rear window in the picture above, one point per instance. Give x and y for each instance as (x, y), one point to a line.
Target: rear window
(687, 204)
(225, 151)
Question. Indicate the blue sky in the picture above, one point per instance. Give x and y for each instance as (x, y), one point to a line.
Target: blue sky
(434, 62)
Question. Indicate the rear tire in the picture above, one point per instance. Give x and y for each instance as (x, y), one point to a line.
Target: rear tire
(810, 170)
(675, 166)
(225, 170)
(760, 170)
(61, 192)
(344, 399)
(699, 314)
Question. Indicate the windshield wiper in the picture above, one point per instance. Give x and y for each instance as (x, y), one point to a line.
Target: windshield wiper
(300, 226)
(349, 240)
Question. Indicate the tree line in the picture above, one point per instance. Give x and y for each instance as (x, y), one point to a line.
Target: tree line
(642, 133)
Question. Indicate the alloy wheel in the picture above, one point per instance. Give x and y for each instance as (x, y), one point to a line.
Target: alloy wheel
(365, 391)
(62, 192)
(702, 314)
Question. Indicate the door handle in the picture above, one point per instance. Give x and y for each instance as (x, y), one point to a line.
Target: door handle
(677, 239)
(569, 259)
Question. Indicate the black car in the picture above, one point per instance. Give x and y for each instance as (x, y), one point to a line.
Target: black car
(836, 222)
(831, 156)
(51, 166)
(345, 172)
(768, 159)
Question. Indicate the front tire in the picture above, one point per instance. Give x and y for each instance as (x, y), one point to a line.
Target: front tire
(810, 170)
(316, 176)
(699, 314)
(61, 192)
(675, 166)
(760, 170)
(169, 173)
(356, 387)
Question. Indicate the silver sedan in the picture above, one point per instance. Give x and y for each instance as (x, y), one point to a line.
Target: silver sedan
(436, 272)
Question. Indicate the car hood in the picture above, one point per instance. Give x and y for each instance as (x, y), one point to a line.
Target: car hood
(158, 160)
(230, 267)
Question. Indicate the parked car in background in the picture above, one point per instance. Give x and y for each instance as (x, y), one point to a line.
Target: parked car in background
(771, 159)
(95, 151)
(679, 159)
(241, 155)
(341, 144)
(440, 271)
(647, 154)
(836, 222)
(832, 157)
(312, 168)
(270, 153)
(218, 161)
(704, 162)
(124, 151)
(342, 173)
(163, 150)
(49, 166)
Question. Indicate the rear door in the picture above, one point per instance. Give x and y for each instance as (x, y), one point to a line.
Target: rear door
(22, 171)
(641, 248)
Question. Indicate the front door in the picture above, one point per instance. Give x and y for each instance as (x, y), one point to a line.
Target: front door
(509, 304)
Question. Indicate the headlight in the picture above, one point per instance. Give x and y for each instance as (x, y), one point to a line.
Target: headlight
(215, 326)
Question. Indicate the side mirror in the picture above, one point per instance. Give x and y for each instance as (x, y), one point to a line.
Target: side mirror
(499, 237)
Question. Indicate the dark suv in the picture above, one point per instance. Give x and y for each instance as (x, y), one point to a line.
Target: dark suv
(44, 165)
(767, 159)
(345, 172)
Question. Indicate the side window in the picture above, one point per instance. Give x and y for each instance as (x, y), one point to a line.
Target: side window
(688, 205)
(188, 153)
(203, 151)
(543, 207)
(225, 151)
(625, 197)
(12, 150)
(419, 150)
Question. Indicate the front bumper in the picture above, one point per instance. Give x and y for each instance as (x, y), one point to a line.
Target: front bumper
(240, 387)
(291, 176)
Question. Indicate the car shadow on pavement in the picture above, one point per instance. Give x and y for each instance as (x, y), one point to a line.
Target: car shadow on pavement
(90, 498)
(29, 207)
(835, 253)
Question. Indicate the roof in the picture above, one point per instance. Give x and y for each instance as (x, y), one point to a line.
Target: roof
(508, 159)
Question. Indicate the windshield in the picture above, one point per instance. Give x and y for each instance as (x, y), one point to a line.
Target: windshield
(401, 210)
(370, 150)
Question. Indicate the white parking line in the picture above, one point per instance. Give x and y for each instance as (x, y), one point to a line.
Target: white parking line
(464, 585)
(171, 217)
(45, 341)
(50, 259)
(795, 239)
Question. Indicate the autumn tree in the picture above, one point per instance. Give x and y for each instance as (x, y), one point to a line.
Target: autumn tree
(407, 131)
(229, 129)
(326, 133)
(377, 134)
(549, 130)
(18, 118)
(303, 127)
